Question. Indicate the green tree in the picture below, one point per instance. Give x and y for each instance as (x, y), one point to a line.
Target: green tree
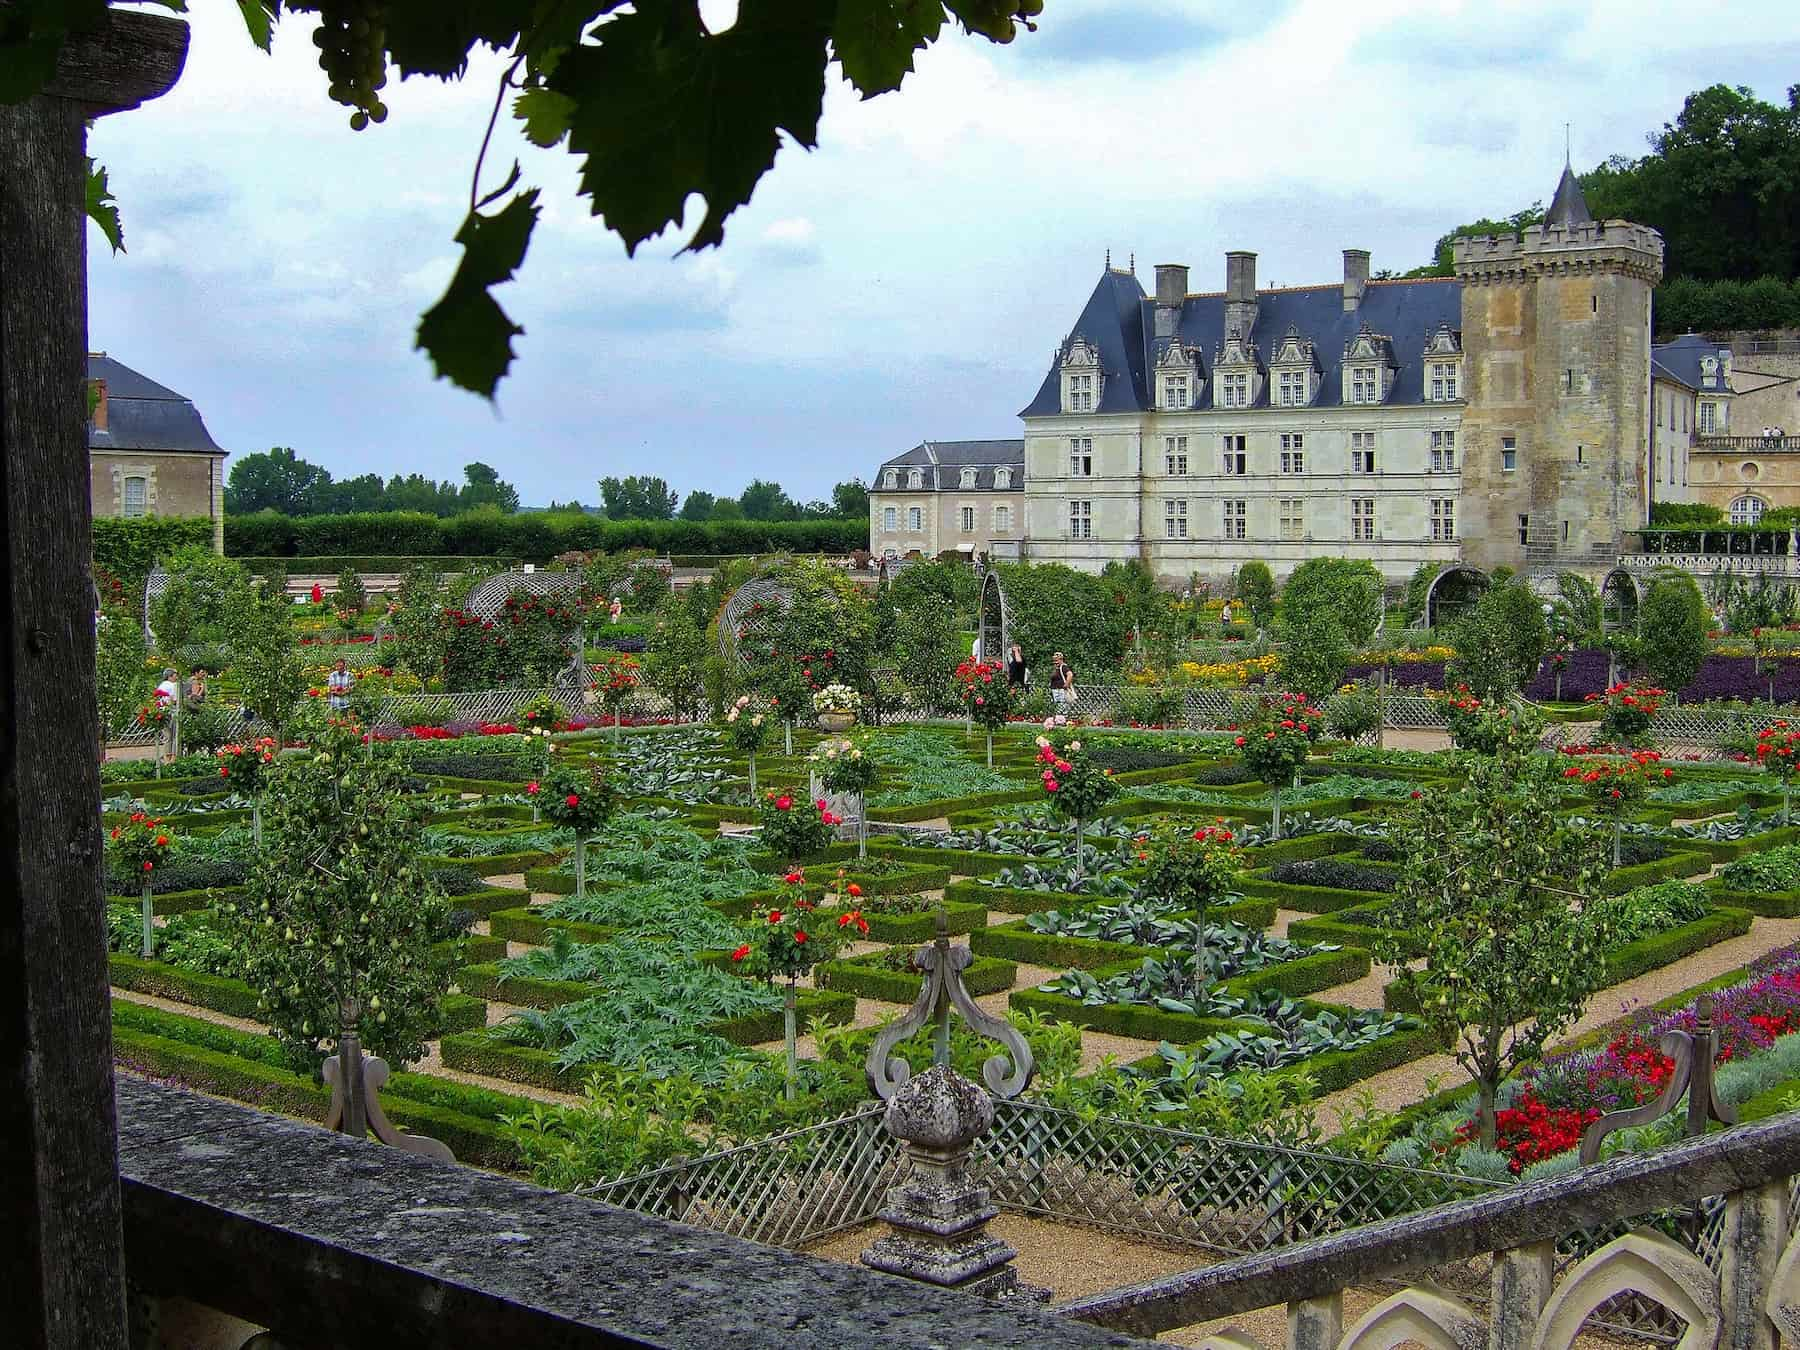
(1579, 616)
(1499, 644)
(1254, 585)
(928, 644)
(1348, 590)
(764, 500)
(1056, 608)
(851, 500)
(338, 921)
(698, 506)
(1499, 892)
(482, 487)
(122, 675)
(276, 481)
(1672, 627)
(266, 660)
(1418, 593)
(637, 498)
(675, 657)
(197, 604)
(418, 623)
(727, 508)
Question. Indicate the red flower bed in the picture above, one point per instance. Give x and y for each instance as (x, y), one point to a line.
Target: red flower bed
(1530, 1131)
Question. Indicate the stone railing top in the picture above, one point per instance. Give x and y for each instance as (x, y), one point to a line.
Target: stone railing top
(351, 1243)
(1623, 1188)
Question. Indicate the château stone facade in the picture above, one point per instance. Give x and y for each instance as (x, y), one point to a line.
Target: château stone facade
(1502, 417)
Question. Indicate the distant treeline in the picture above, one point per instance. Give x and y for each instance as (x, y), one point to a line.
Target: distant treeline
(1685, 305)
(531, 537)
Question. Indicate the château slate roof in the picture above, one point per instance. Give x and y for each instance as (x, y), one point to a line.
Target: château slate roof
(1568, 206)
(948, 456)
(1120, 319)
(144, 415)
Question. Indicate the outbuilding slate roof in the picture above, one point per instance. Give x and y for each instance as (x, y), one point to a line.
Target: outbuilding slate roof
(1407, 312)
(937, 458)
(144, 415)
(1680, 360)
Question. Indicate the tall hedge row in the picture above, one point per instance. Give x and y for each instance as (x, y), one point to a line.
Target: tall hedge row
(128, 548)
(533, 538)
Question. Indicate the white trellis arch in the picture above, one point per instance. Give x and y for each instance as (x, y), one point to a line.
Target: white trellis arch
(1620, 596)
(1442, 591)
(155, 583)
(488, 601)
(748, 612)
(993, 617)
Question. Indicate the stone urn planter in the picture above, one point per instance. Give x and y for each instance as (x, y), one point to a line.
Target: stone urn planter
(837, 722)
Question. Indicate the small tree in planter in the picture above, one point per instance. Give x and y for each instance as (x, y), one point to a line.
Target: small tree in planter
(1626, 711)
(247, 769)
(794, 828)
(748, 726)
(580, 795)
(1276, 745)
(1075, 787)
(140, 846)
(1778, 751)
(617, 681)
(787, 941)
(338, 919)
(1614, 787)
(1195, 869)
(987, 697)
(845, 766)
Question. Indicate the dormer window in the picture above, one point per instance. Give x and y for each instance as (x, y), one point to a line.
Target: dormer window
(1364, 386)
(1178, 377)
(893, 479)
(1443, 365)
(1368, 367)
(1175, 393)
(1294, 369)
(968, 478)
(1002, 479)
(1444, 378)
(1234, 391)
(1237, 374)
(915, 479)
(1081, 376)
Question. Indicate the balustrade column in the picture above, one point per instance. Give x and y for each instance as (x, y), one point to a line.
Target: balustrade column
(1756, 1231)
(1316, 1323)
(1522, 1281)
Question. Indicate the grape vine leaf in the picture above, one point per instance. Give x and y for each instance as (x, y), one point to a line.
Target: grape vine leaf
(259, 18)
(664, 109)
(875, 39)
(102, 208)
(544, 114)
(466, 334)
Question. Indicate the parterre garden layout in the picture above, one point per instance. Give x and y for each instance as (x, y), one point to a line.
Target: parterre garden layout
(591, 1035)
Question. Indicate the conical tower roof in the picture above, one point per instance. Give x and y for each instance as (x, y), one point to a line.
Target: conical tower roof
(1568, 207)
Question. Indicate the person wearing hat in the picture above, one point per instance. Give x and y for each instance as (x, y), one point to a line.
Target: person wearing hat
(168, 698)
(1062, 681)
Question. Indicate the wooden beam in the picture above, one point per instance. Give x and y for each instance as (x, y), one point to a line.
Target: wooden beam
(62, 1280)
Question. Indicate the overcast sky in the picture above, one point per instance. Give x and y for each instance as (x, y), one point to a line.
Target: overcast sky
(907, 280)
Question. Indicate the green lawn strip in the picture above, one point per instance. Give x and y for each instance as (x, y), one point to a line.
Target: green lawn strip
(871, 977)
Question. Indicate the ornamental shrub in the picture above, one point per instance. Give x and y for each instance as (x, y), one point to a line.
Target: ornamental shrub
(337, 922)
(794, 828)
(543, 712)
(1352, 713)
(1626, 711)
(1254, 585)
(844, 765)
(1499, 643)
(1672, 628)
(352, 595)
(986, 696)
(1769, 872)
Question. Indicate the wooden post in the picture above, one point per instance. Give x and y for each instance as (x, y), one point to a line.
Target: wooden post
(62, 1265)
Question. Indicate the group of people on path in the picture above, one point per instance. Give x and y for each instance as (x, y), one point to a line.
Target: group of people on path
(1062, 674)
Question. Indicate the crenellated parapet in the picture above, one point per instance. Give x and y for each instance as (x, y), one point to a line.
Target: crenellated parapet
(1613, 246)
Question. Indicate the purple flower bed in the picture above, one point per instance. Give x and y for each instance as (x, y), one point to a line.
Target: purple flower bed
(622, 643)
(1723, 677)
(1585, 674)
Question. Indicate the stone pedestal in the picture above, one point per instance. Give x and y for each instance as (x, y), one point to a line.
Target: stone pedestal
(937, 1212)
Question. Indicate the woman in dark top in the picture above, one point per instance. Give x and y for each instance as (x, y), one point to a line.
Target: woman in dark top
(1015, 667)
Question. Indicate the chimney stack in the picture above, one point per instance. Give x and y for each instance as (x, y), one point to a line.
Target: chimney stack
(1240, 293)
(1356, 277)
(1171, 294)
(99, 418)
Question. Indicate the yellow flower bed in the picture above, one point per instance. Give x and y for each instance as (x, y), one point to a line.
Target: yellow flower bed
(1229, 672)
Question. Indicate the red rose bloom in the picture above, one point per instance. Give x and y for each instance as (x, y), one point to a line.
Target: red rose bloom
(741, 952)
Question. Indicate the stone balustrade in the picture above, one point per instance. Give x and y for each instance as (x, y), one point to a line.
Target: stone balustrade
(1748, 1297)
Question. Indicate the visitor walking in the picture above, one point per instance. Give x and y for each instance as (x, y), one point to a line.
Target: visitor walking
(1016, 674)
(338, 686)
(1062, 682)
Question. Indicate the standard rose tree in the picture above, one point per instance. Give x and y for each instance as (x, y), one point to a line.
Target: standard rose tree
(247, 768)
(987, 697)
(1615, 787)
(1074, 786)
(1778, 751)
(577, 794)
(845, 767)
(1195, 869)
(794, 828)
(747, 724)
(139, 847)
(1276, 745)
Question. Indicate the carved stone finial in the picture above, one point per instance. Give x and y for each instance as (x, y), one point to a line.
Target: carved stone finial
(939, 1110)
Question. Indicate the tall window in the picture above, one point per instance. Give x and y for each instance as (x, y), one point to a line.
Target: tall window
(1290, 389)
(1509, 454)
(968, 520)
(1291, 516)
(1081, 393)
(1234, 518)
(1443, 381)
(1708, 412)
(1081, 520)
(1443, 452)
(1443, 518)
(1002, 479)
(1233, 460)
(890, 519)
(1002, 519)
(893, 478)
(1081, 457)
(1524, 530)
(1175, 518)
(1234, 391)
(137, 496)
(968, 478)
(915, 478)
(1363, 386)
(1747, 510)
(1175, 391)
(1175, 456)
(1362, 518)
(1362, 452)
(915, 518)
(1293, 452)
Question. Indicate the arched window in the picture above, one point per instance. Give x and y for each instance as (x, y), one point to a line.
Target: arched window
(915, 478)
(1747, 510)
